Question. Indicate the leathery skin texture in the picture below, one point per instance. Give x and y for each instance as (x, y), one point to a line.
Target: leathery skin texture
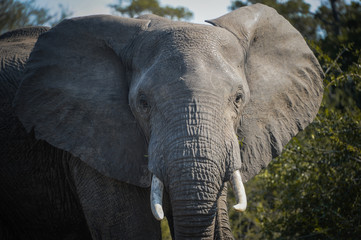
(97, 108)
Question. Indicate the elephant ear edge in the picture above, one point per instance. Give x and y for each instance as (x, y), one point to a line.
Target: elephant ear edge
(285, 82)
(74, 95)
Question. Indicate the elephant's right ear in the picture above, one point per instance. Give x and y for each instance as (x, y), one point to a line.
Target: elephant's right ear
(74, 95)
(284, 79)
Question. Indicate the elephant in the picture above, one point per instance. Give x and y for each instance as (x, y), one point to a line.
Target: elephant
(109, 124)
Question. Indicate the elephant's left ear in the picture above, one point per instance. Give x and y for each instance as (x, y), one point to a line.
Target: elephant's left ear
(284, 78)
(74, 95)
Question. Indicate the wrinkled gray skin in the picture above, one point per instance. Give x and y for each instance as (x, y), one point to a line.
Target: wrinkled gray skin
(105, 102)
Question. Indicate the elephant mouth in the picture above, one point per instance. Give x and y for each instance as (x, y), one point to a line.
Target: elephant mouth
(157, 187)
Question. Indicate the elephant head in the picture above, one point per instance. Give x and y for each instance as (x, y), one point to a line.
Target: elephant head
(193, 105)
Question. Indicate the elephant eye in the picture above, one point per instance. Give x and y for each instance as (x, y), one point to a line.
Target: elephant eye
(143, 103)
(238, 98)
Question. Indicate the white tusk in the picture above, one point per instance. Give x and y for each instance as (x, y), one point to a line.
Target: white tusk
(239, 192)
(156, 197)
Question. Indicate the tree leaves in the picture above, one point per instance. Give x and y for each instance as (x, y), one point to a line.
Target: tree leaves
(16, 14)
(134, 8)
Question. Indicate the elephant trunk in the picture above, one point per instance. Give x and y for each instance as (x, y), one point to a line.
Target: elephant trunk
(194, 190)
(195, 170)
(193, 156)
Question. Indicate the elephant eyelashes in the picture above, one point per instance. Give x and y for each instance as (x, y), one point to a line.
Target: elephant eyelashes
(237, 101)
(238, 98)
(143, 104)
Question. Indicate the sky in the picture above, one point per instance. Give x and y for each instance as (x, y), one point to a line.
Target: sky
(202, 9)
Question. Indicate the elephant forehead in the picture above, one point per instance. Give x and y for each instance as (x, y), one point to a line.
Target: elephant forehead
(198, 37)
(204, 41)
(193, 48)
(187, 42)
(188, 58)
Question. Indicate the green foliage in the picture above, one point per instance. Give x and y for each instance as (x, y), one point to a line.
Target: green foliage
(165, 230)
(313, 190)
(345, 34)
(135, 8)
(15, 14)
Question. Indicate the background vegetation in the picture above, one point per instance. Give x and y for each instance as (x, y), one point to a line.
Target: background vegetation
(133, 8)
(15, 14)
(312, 191)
